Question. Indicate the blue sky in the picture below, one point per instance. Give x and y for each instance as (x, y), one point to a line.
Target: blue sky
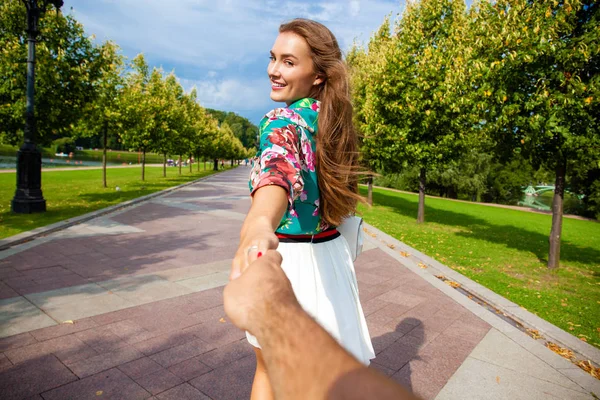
(221, 46)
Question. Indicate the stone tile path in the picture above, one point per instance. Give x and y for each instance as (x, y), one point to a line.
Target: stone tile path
(129, 306)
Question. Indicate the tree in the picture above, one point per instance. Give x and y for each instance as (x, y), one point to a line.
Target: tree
(68, 65)
(537, 76)
(411, 114)
(103, 115)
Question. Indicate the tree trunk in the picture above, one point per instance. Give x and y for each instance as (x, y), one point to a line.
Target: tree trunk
(198, 163)
(144, 164)
(557, 213)
(216, 167)
(165, 166)
(232, 162)
(190, 163)
(180, 165)
(370, 190)
(421, 210)
(104, 142)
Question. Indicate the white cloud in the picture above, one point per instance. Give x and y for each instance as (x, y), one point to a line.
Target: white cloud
(232, 94)
(218, 44)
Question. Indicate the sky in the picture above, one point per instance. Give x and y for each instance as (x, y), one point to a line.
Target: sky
(221, 46)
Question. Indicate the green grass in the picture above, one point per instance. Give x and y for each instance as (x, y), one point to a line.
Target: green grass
(72, 193)
(506, 251)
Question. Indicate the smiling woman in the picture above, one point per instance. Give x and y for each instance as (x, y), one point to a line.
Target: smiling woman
(304, 183)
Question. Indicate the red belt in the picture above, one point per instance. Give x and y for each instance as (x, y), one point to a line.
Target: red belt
(320, 237)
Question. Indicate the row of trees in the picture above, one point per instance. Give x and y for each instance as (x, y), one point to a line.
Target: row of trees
(88, 90)
(503, 78)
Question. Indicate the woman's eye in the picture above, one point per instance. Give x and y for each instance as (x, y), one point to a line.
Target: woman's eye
(271, 58)
(289, 63)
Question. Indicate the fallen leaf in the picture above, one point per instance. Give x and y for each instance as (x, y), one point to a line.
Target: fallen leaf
(404, 254)
(222, 320)
(534, 333)
(391, 246)
(561, 351)
(421, 265)
(498, 379)
(589, 368)
(583, 339)
(453, 284)
(68, 322)
(99, 393)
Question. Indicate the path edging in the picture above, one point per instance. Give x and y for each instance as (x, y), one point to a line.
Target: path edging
(25, 237)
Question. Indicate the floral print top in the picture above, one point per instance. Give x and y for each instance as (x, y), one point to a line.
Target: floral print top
(286, 158)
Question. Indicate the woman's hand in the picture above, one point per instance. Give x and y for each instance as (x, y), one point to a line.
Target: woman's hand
(256, 242)
(258, 232)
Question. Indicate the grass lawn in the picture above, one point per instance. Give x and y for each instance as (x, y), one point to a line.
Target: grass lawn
(72, 193)
(506, 251)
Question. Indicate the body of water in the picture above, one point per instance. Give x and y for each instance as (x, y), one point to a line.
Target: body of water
(7, 162)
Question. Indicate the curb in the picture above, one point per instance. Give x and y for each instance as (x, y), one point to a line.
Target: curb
(64, 224)
(413, 257)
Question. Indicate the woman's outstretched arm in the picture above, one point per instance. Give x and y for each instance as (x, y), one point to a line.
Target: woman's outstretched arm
(268, 206)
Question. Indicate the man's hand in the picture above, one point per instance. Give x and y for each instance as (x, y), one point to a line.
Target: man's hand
(259, 297)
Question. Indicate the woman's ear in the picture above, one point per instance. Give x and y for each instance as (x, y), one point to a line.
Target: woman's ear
(318, 80)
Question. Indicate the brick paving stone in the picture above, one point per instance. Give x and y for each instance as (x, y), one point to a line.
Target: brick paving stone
(6, 292)
(9, 272)
(217, 333)
(105, 361)
(63, 329)
(469, 328)
(102, 339)
(164, 342)
(190, 369)
(111, 384)
(402, 298)
(167, 321)
(33, 377)
(159, 381)
(398, 353)
(384, 370)
(35, 350)
(373, 305)
(16, 341)
(138, 368)
(183, 352)
(130, 331)
(227, 354)
(210, 315)
(183, 392)
(231, 382)
(119, 315)
(4, 362)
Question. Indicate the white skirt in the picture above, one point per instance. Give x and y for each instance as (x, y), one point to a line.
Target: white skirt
(324, 281)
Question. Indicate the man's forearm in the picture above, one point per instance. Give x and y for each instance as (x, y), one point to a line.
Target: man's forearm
(305, 362)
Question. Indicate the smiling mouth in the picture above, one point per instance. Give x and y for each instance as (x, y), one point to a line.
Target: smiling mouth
(276, 86)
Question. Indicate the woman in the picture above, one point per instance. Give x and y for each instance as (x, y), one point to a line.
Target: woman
(303, 184)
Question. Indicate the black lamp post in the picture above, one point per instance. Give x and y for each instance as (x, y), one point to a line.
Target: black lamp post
(28, 197)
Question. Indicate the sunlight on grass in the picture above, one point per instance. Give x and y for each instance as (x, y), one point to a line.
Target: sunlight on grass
(72, 193)
(506, 251)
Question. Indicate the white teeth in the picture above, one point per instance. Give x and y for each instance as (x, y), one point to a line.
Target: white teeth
(278, 85)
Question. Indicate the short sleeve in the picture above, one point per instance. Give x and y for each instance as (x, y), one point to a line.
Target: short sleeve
(278, 162)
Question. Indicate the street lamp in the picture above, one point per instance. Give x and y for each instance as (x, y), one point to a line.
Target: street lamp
(28, 196)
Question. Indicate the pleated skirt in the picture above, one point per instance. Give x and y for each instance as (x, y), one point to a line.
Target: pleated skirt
(324, 281)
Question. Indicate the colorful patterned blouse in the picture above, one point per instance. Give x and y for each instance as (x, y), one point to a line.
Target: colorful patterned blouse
(286, 158)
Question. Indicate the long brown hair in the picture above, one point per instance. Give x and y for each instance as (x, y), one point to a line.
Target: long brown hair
(337, 141)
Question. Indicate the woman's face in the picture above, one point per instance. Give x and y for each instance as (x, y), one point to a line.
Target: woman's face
(291, 69)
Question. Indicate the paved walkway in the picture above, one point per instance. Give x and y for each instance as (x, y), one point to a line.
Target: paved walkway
(129, 306)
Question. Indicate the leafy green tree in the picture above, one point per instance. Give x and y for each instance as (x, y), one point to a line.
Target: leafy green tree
(103, 115)
(411, 114)
(67, 67)
(537, 78)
